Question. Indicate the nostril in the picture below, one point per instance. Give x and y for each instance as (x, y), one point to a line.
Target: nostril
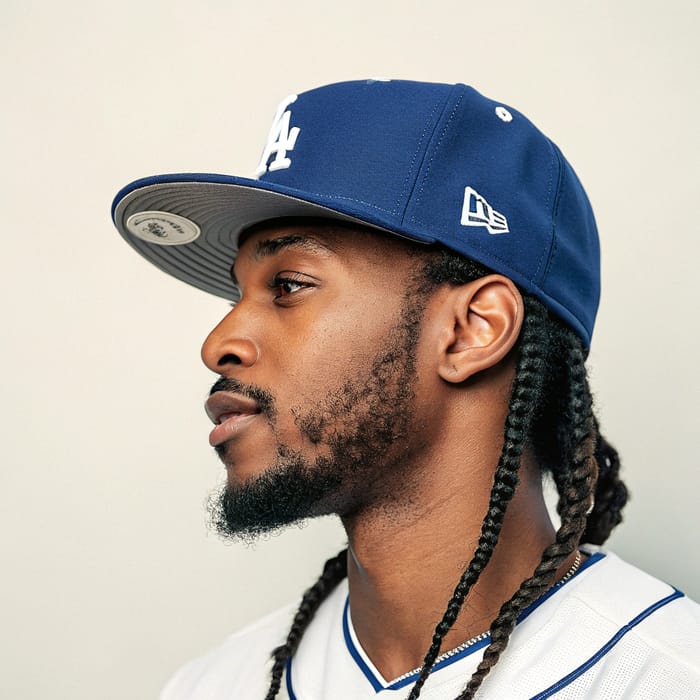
(222, 351)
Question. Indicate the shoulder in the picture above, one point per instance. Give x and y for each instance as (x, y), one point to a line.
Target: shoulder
(640, 604)
(614, 631)
(239, 667)
(654, 619)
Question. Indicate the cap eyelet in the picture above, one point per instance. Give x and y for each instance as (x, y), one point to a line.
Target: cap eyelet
(503, 114)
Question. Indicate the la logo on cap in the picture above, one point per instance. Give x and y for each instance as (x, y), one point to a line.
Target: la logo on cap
(280, 140)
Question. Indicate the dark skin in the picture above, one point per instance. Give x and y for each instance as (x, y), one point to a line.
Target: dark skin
(309, 316)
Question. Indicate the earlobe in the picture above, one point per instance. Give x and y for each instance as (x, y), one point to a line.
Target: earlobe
(484, 317)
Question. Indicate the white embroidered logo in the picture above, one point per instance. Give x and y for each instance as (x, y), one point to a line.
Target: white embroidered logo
(280, 140)
(476, 211)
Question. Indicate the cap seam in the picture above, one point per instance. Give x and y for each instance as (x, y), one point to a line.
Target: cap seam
(548, 256)
(432, 158)
(412, 171)
(341, 198)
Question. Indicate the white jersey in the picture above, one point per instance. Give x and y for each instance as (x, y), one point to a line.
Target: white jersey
(611, 631)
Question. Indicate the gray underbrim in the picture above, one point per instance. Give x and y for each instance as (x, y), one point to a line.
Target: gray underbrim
(221, 211)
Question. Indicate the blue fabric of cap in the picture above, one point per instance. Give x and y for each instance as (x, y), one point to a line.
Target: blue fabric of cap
(431, 162)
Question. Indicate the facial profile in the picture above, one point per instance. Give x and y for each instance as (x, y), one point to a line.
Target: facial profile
(333, 451)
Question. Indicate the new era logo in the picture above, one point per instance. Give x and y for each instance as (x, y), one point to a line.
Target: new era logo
(476, 211)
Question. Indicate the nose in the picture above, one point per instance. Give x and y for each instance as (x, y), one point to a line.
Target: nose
(227, 347)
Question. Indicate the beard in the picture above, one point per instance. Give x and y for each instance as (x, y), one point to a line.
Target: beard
(361, 428)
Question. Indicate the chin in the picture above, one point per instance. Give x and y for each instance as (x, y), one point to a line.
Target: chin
(243, 465)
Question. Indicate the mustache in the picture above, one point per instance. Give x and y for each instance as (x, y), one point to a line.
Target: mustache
(264, 399)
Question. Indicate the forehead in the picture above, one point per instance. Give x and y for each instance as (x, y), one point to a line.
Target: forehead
(269, 239)
(352, 244)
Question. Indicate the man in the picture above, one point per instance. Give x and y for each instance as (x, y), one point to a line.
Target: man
(416, 277)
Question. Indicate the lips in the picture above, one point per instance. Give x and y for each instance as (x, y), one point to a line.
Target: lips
(230, 413)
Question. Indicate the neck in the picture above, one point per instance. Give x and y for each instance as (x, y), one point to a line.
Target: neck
(403, 565)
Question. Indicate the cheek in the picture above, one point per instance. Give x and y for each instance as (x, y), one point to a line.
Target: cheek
(328, 339)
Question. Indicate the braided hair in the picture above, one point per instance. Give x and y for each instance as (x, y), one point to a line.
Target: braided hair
(334, 571)
(551, 411)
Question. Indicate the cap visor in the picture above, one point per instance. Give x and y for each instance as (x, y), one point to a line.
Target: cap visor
(221, 206)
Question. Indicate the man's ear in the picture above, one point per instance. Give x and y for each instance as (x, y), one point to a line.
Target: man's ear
(482, 321)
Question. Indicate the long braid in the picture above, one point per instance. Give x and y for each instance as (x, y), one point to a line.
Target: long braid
(334, 571)
(610, 494)
(575, 480)
(525, 396)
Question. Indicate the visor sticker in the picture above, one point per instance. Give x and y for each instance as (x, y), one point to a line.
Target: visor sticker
(162, 228)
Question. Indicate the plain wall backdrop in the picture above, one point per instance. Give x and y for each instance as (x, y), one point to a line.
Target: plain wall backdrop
(110, 579)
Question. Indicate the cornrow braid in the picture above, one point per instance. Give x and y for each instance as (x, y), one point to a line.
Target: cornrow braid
(334, 571)
(577, 432)
(525, 396)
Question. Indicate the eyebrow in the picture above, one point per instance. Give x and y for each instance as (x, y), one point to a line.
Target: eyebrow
(272, 246)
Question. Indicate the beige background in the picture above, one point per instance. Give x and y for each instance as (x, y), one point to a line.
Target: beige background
(109, 577)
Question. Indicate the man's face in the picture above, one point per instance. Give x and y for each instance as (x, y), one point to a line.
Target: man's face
(316, 401)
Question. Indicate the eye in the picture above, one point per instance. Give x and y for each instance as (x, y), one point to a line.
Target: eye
(286, 285)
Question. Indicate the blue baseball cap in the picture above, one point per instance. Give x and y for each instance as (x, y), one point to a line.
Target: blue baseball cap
(433, 163)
